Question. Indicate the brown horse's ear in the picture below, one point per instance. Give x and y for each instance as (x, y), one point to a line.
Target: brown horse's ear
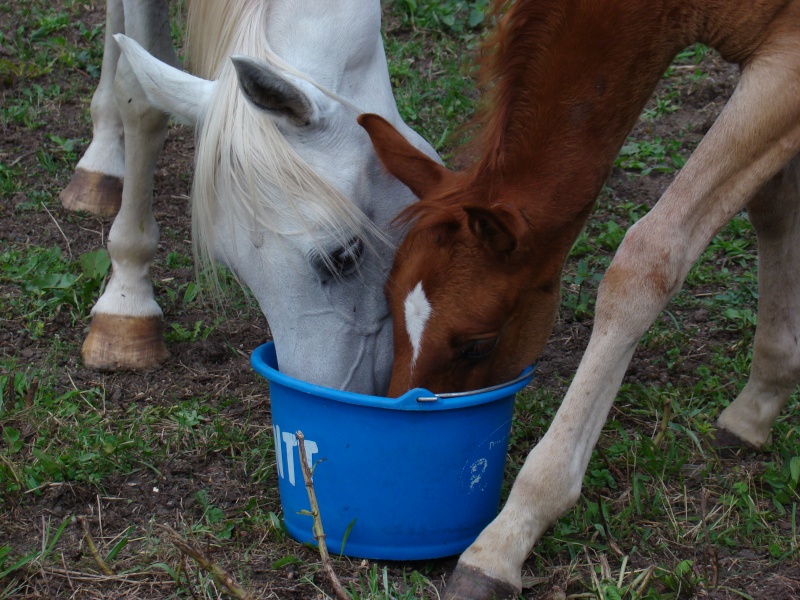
(501, 229)
(411, 166)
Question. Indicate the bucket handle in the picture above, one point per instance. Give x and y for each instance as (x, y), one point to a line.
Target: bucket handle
(526, 374)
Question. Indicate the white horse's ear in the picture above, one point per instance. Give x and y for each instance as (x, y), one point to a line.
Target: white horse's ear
(176, 92)
(273, 92)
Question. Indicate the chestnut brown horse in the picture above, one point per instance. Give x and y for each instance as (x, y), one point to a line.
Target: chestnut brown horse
(475, 285)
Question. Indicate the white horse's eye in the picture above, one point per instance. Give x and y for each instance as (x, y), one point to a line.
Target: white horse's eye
(345, 260)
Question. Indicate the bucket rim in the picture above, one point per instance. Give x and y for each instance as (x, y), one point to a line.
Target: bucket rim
(414, 399)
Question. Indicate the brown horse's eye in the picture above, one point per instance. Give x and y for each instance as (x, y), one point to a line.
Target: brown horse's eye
(479, 348)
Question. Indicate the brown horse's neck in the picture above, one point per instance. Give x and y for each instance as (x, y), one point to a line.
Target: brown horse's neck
(566, 81)
(569, 79)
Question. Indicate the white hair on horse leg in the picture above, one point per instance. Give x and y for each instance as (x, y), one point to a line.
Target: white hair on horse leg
(417, 312)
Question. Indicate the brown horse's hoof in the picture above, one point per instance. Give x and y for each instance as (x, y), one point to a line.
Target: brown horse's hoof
(97, 193)
(121, 343)
(729, 445)
(468, 583)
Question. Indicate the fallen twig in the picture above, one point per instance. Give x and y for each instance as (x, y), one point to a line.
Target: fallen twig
(319, 532)
(218, 573)
(69, 581)
(639, 585)
(708, 549)
(185, 569)
(66, 239)
(128, 578)
(104, 568)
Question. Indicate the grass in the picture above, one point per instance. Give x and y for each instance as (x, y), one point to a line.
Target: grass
(661, 516)
(432, 81)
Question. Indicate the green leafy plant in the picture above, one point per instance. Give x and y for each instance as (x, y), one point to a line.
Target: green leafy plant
(648, 156)
(179, 333)
(48, 284)
(213, 519)
(455, 15)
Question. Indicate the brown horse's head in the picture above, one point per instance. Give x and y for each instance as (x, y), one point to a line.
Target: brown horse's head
(475, 288)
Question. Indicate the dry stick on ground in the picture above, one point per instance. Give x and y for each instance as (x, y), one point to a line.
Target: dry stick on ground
(709, 551)
(69, 581)
(30, 394)
(639, 585)
(93, 549)
(319, 533)
(184, 568)
(134, 579)
(664, 423)
(220, 576)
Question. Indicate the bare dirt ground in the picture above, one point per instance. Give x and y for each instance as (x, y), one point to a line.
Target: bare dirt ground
(220, 365)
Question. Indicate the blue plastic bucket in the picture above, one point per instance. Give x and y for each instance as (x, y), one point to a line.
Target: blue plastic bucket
(408, 478)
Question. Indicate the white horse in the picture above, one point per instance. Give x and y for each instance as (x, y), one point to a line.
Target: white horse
(287, 191)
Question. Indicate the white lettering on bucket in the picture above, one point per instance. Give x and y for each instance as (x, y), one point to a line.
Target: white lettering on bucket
(288, 441)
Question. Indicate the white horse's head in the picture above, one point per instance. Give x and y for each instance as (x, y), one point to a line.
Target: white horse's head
(289, 194)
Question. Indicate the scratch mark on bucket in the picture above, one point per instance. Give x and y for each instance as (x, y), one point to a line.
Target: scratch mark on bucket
(476, 471)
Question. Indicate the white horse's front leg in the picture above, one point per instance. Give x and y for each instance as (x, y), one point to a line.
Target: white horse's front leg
(96, 186)
(775, 372)
(126, 328)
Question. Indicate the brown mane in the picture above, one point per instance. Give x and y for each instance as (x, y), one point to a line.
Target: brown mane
(555, 109)
(511, 57)
(563, 81)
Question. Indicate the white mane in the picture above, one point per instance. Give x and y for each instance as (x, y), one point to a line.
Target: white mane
(244, 165)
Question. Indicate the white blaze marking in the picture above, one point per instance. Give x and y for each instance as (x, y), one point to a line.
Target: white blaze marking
(418, 311)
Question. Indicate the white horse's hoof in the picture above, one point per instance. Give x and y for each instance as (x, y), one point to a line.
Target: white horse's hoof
(120, 343)
(94, 192)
